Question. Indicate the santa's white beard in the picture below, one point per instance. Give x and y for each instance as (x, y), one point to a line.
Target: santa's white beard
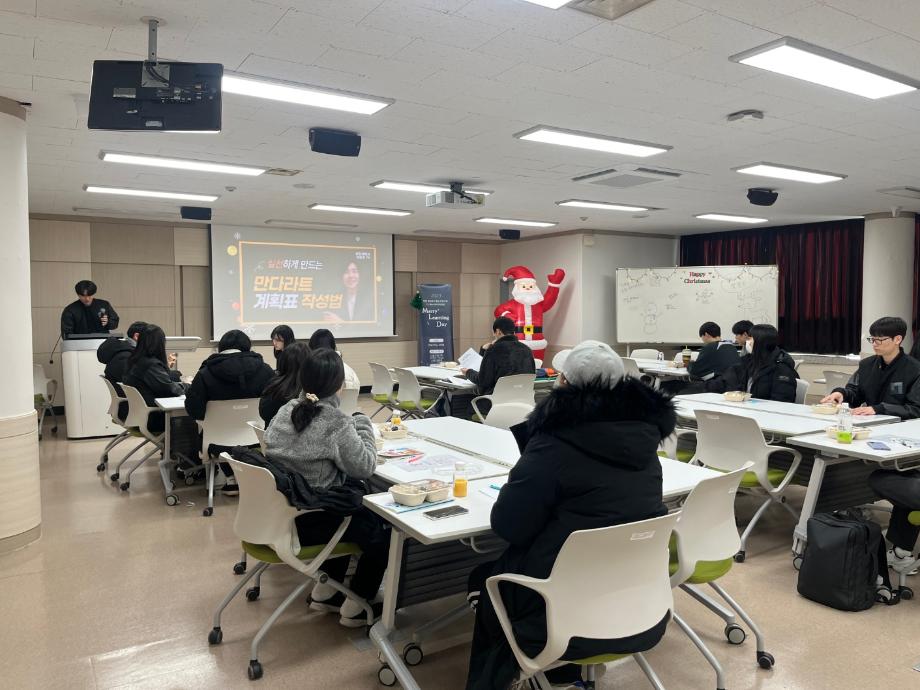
(527, 297)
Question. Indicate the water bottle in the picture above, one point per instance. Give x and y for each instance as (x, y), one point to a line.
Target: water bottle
(660, 356)
(844, 424)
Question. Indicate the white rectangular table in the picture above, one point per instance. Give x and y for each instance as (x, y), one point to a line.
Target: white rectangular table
(678, 480)
(396, 470)
(442, 378)
(172, 407)
(829, 453)
(661, 368)
(791, 409)
(492, 443)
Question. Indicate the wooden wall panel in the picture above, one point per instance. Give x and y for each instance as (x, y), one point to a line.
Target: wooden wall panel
(406, 316)
(197, 321)
(196, 286)
(439, 257)
(53, 282)
(124, 243)
(480, 258)
(164, 317)
(191, 246)
(136, 285)
(46, 327)
(59, 240)
(406, 256)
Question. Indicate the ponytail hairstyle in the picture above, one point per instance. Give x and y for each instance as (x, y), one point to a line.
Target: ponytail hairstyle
(321, 376)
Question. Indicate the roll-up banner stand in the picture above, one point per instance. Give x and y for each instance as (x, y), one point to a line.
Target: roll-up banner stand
(435, 332)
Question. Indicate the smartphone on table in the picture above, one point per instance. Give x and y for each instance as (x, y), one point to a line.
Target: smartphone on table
(877, 445)
(441, 513)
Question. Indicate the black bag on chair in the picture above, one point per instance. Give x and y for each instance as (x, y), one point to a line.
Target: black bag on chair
(843, 559)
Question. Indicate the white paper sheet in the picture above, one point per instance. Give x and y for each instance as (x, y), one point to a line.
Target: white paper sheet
(470, 360)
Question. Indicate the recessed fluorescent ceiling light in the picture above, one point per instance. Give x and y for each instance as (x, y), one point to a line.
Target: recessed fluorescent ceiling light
(180, 163)
(804, 61)
(603, 205)
(594, 142)
(308, 224)
(360, 209)
(122, 212)
(511, 221)
(418, 187)
(784, 172)
(552, 4)
(154, 194)
(730, 219)
(302, 94)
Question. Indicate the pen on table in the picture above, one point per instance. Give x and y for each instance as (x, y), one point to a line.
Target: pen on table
(495, 486)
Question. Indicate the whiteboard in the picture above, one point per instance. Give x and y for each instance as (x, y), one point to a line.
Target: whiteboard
(668, 305)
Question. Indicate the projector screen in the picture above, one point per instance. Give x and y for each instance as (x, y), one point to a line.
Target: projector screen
(307, 279)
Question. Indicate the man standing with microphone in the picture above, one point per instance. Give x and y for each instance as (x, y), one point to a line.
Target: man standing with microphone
(88, 314)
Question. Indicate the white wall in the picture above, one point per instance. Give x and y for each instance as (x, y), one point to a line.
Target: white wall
(563, 324)
(888, 272)
(599, 266)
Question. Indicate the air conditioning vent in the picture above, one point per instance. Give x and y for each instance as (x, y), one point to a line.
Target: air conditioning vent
(283, 172)
(608, 9)
(462, 234)
(626, 176)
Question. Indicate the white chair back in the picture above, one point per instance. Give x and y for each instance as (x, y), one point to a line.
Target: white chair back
(706, 529)
(409, 388)
(798, 363)
(383, 382)
(517, 388)
(631, 367)
(506, 415)
(835, 379)
(263, 516)
(40, 381)
(348, 400)
(801, 391)
(225, 423)
(645, 353)
(726, 442)
(628, 574)
(258, 428)
(114, 400)
(537, 362)
(138, 411)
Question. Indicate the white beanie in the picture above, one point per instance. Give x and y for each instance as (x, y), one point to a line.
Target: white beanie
(590, 363)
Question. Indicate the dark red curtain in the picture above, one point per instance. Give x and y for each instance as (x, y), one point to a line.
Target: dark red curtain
(820, 277)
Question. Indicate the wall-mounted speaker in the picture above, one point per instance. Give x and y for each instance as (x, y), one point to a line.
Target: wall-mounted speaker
(195, 212)
(508, 234)
(335, 142)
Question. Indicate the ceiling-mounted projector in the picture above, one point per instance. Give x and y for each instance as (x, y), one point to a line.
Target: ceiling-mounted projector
(762, 197)
(454, 200)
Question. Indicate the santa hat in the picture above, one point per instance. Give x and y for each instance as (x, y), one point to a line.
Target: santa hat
(517, 273)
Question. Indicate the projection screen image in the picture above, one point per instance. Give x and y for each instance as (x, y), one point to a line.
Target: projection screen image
(307, 279)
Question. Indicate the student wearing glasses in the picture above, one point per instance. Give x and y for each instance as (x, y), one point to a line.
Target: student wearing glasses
(888, 382)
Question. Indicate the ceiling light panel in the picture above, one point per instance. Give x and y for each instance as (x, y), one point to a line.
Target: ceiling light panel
(794, 58)
(360, 209)
(302, 94)
(786, 172)
(726, 218)
(511, 221)
(306, 223)
(593, 142)
(602, 205)
(150, 193)
(421, 187)
(180, 163)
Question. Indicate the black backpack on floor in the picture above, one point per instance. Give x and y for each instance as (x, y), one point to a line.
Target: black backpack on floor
(843, 559)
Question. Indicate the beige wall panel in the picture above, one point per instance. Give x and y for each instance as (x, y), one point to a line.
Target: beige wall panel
(164, 317)
(191, 246)
(405, 255)
(465, 296)
(196, 286)
(481, 319)
(46, 327)
(393, 353)
(485, 290)
(136, 285)
(480, 258)
(53, 283)
(123, 243)
(59, 240)
(439, 257)
(406, 316)
(197, 321)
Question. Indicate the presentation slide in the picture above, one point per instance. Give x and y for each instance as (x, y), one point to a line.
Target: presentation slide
(307, 279)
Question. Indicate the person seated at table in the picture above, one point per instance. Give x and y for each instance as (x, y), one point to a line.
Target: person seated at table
(716, 355)
(589, 460)
(286, 384)
(322, 337)
(742, 333)
(506, 357)
(148, 371)
(769, 373)
(903, 490)
(235, 372)
(115, 352)
(311, 437)
(281, 336)
(887, 382)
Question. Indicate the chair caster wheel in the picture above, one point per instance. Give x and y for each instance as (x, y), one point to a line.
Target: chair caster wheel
(114, 477)
(254, 670)
(207, 512)
(735, 634)
(216, 636)
(125, 486)
(412, 654)
(906, 593)
(739, 557)
(765, 660)
(172, 500)
(252, 594)
(189, 479)
(100, 467)
(797, 562)
(239, 568)
(386, 676)
(54, 430)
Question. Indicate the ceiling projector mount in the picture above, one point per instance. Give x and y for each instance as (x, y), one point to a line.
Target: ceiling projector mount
(455, 198)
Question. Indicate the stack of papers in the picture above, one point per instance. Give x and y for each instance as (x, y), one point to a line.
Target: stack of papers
(470, 360)
(399, 508)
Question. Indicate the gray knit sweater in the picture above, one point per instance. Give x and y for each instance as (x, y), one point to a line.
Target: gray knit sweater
(332, 447)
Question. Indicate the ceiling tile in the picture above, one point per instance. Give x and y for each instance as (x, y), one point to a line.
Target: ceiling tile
(629, 45)
(305, 27)
(554, 25)
(20, 46)
(719, 34)
(449, 58)
(402, 17)
(660, 15)
(519, 47)
(824, 26)
(374, 67)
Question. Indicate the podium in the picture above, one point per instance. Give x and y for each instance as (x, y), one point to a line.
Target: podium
(86, 398)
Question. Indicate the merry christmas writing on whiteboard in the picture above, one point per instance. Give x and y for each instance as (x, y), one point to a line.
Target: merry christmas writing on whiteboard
(668, 305)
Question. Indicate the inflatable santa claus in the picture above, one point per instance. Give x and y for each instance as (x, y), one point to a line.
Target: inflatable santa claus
(527, 306)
